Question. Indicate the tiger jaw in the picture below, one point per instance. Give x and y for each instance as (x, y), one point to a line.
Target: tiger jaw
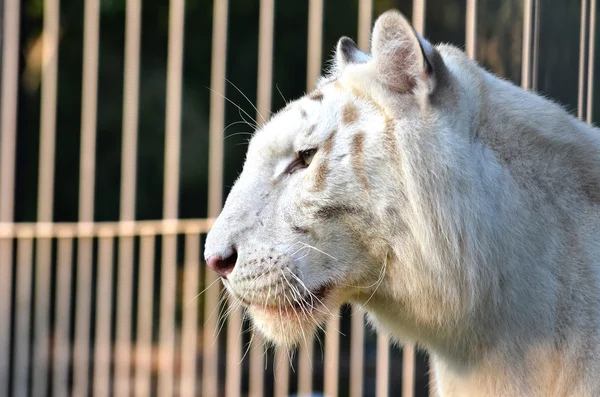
(285, 316)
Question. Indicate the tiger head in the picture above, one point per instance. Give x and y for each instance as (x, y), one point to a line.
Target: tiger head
(320, 208)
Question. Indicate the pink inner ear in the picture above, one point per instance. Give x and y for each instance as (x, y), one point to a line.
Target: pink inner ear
(399, 66)
(399, 54)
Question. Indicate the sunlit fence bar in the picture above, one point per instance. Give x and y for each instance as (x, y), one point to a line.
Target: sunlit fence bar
(127, 307)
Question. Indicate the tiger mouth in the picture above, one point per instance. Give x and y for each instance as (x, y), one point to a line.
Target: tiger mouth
(309, 302)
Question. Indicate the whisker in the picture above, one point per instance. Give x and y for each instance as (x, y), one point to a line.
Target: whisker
(255, 125)
(318, 250)
(219, 301)
(295, 289)
(204, 290)
(236, 123)
(249, 345)
(234, 104)
(220, 323)
(232, 306)
(278, 90)
(312, 295)
(292, 245)
(249, 101)
(384, 267)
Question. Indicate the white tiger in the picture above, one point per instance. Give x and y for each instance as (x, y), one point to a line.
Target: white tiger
(462, 213)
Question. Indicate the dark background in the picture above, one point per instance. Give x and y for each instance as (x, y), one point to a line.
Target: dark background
(499, 49)
(499, 41)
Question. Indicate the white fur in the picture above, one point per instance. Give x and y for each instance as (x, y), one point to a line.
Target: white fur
(477, 237)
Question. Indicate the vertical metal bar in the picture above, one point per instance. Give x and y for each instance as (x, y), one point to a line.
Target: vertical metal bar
(591, 54)
(128, 182)
(171, 196)
(62, 327)
(22, 313)
(8, 120)
(6, 256)
(41, 332)
(8, 131)
(471, 29)
(210, 346)
(122, 387)
(265, 58)
(332, 356)
(143, 346)
(263, 104)
(418, 16)
(257, 356)
(48, 110)
(86, 195)
(233, 376)
(88, 109)
(586, 60)
(408, 371)
(582, 64)
(357, 353)
(130, 108)
(102, 346)
(190, 316)
(82, 318)
(45, 193)
(365, 18)
(383, 366)
(217, 113)
(536, 45)
(305, 368)
(173, 116)
(315, 42)
(282, 375)
(527, 40)
(215, 187)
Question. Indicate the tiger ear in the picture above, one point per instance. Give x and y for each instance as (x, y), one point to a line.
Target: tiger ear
(404, 61)
(347, 52)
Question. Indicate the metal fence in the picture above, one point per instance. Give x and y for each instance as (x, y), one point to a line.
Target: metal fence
(66, 326)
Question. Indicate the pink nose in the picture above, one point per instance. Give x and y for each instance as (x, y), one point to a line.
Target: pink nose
(222, 265)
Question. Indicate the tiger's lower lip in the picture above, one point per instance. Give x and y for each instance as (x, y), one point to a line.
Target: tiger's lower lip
(308, 302)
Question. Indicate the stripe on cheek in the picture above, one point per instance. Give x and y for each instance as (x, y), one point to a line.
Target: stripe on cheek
(322, 169)
(358, 163)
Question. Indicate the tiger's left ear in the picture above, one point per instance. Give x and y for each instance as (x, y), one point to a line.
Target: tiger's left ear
(347, 52)
(403, 60)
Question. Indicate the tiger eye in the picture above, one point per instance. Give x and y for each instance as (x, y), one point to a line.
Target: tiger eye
(307, 155)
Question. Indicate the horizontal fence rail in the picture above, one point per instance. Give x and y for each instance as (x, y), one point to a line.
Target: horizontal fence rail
(126, 307)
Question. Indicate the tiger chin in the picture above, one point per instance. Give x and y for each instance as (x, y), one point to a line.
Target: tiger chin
(461, 212)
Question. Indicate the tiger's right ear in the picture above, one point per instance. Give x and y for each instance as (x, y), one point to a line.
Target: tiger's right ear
(403, 60)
